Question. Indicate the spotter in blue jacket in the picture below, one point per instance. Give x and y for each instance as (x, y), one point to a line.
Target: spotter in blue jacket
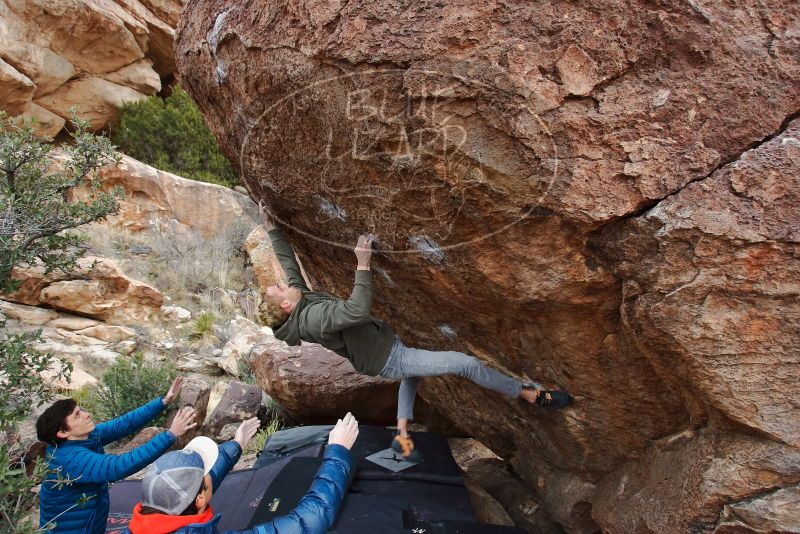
(81, 507)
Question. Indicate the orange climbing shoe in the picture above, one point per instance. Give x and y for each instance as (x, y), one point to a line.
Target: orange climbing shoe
(405, 446)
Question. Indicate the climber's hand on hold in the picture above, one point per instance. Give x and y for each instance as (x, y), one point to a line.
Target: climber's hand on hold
(363, 251)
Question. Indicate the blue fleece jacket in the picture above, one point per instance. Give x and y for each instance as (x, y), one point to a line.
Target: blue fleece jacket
(82, 506)
(314, 514)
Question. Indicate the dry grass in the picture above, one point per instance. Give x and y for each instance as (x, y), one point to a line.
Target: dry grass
(202, 330)
(201, 274)
(196, 263)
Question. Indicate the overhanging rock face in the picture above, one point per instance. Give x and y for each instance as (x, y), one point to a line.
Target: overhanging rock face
(603, 198)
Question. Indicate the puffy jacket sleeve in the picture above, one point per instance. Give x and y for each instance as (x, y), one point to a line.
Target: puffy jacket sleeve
(338, 315)
(317, 510)
(127, 424)
(229, 454)
(86, 466)
(285, 254)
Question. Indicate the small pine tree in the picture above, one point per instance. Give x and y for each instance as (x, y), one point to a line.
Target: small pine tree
(35, 214)
(170, 134)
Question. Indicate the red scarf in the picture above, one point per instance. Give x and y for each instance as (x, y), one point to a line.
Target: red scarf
(164, 523)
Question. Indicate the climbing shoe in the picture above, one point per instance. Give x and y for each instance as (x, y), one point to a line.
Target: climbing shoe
(552, 399)
(405, 447)
(546, 398)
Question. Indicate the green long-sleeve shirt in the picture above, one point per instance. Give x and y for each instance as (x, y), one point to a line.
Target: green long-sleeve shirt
(343, 326)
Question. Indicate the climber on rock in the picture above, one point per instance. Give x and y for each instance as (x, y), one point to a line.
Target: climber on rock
(296, 313)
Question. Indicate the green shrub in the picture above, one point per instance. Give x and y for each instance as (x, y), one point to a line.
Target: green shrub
(36, 218)
(130, 383)
(170, 134)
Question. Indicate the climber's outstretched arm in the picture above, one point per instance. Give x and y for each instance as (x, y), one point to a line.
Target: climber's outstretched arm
(283, 250)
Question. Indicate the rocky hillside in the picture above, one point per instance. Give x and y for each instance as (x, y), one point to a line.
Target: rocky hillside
(602, 196)
(93, 54)
(151, 271)
(175, 275)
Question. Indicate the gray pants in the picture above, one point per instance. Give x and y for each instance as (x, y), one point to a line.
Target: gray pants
(409, 364)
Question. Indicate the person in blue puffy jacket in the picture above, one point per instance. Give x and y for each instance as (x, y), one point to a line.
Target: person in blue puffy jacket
(75, 453)
(177, 488)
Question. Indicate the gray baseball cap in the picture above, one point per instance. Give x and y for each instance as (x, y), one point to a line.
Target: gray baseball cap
(172, 482)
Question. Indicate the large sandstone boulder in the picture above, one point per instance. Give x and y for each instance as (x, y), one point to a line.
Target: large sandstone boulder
(316, 385)
(90, 348)
(30, 315)
(97, 288)
(15, 89)
(97, 99)
(95, 54)
(492, 475)
(772, 513)
(709, 285)
(47, 123)
(701, 473)
(597, 195)
(167, 10)
(94, 36)
(139, 76)
(26, 47)
(109, 295)
(155, 198)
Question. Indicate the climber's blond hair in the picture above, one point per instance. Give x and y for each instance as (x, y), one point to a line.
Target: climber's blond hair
(270, 312)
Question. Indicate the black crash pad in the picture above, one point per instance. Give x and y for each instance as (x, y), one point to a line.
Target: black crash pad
(429, 497)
